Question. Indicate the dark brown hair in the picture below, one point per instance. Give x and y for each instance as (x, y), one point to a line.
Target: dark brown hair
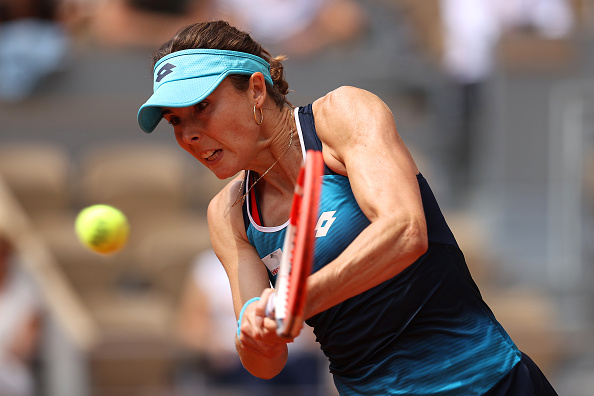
(221, 35)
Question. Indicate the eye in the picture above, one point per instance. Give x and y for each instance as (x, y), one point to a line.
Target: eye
(173, 120)
(200, 107)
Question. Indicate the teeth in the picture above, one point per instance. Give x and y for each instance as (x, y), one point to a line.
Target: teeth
(208, 154)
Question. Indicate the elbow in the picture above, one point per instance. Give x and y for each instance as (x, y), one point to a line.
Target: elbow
(421, 247)
(265, 373)
(416, 236)
(266, 364)
(267, 376)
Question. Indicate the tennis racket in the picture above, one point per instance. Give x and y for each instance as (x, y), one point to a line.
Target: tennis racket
(287, 302)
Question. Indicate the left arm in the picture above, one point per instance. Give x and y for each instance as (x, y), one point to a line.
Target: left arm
(360, 141)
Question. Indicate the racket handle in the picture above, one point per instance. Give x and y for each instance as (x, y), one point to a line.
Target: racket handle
(270, 304)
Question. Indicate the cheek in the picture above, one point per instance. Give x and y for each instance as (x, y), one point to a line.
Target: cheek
(231, 135)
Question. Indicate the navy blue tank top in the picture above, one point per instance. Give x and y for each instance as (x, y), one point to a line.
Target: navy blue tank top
(425, 331)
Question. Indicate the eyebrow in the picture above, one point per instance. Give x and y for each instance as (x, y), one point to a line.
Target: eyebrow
(165, 112)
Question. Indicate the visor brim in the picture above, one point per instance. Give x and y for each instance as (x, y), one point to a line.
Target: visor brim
(178, 93)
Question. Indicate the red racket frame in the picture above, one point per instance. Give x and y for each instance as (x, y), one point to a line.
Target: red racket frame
(299, 244)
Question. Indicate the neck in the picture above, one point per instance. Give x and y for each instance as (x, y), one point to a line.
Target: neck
(280, 135)
(282, 159)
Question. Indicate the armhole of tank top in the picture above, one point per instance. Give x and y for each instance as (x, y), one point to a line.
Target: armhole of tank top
(309, 135)
(251, 202)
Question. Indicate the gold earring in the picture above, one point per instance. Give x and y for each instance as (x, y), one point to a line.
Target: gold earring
(261, 116)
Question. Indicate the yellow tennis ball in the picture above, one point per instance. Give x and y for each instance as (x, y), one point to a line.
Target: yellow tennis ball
(102, 228)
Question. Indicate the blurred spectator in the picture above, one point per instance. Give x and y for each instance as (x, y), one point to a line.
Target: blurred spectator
(472, 29)
(19, 326)
(297, 27)
(207, 325)
(144, 23)
(174, 7)
(546, 18)
(471, 32)
(33, 45)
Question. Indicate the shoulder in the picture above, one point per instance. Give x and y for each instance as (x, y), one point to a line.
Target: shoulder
(342, 100)
(348, 109)
(347, 118)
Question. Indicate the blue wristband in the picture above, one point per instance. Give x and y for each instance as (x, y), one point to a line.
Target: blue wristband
(248, 302)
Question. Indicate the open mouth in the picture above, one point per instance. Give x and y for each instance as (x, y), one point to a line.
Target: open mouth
(211, 155)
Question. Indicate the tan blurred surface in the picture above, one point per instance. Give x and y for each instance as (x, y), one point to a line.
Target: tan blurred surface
(62, 148)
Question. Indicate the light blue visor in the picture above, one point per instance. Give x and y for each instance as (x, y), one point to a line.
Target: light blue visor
(184, 78)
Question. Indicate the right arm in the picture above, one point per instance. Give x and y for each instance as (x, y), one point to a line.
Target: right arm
(262, 352)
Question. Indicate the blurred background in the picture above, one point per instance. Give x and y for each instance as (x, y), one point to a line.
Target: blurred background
(493, 97)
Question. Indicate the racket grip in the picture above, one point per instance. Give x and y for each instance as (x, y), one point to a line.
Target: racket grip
(270, 304)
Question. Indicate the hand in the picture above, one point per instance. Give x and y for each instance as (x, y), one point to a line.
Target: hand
(258, 332)
(270, 310)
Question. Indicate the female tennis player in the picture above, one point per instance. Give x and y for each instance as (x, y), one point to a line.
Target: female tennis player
(390, 299)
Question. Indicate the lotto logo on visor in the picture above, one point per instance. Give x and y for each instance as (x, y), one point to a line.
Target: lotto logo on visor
(164, 71)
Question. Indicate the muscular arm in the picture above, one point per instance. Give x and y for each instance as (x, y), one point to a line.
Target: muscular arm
(261, 351)
(360, 141)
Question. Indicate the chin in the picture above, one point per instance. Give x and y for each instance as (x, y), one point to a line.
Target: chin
(222, 174)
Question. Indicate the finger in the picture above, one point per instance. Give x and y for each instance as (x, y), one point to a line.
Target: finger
(270, 325)
(271, 306)
(264, 297)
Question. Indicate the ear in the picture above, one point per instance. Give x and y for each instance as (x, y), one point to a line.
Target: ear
(257, 88)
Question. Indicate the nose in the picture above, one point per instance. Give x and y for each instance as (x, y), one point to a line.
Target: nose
(190, 134)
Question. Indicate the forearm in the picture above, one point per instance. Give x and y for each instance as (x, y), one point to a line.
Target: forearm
(383, 250)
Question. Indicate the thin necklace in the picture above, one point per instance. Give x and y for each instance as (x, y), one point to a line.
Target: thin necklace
(242, 198)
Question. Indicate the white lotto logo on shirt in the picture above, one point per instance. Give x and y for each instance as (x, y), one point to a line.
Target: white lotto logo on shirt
(324, 223)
